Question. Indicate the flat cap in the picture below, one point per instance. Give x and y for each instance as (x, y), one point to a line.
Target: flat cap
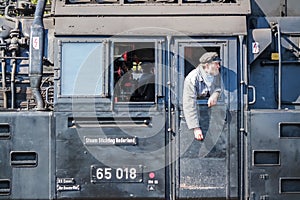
(209, 57)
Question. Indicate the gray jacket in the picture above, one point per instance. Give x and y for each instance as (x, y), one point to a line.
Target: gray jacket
(194, 87)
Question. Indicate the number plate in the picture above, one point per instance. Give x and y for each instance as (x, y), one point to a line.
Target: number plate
(100, 174)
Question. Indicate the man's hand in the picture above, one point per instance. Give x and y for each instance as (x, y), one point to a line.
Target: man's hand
(198, 134)
(213, 99)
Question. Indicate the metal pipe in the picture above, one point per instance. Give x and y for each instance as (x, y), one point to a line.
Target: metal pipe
(12, 79)
(11, 57)
(14, 55)
(242, 121)
(36, 53)
(279, 67)
(3, 80)
(11, 18)
(112, 93)
(287, 62)
(170, 131)
(169, 83)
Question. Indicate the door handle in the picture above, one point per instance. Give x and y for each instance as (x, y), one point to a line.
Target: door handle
(253, 94)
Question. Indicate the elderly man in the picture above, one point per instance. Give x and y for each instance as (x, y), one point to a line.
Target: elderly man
(201, 82)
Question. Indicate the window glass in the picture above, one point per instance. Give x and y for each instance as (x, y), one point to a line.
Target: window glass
(134, 71)
(81, 69)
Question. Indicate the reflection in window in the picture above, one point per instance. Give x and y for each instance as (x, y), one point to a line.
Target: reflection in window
(81, 69)
(134, 66)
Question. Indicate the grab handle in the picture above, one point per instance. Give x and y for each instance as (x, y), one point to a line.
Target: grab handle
(253, 94)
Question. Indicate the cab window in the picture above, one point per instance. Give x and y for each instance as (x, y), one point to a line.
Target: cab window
(81, 69)
(191, 59)
(134, 72)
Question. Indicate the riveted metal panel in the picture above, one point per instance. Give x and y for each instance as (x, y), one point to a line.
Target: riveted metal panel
(154, 26)
(276, 176)
(93, 162)
(27, 164)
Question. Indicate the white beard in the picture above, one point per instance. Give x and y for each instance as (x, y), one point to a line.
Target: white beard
(207, 78)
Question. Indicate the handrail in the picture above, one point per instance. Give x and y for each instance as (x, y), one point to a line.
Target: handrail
(279, 67)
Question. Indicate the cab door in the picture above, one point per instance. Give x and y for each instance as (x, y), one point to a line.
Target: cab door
(208, 168)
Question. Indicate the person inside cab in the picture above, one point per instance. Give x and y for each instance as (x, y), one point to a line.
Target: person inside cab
(201, 82)
(146, 82)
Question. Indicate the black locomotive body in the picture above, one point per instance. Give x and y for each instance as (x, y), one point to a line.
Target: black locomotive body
(78, 119)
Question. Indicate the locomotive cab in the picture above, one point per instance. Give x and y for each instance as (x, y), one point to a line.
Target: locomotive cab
(91, 100)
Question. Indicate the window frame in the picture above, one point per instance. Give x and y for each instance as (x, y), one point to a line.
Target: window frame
(102, 71)
(221, 44)
(159, 49)
(107, 55)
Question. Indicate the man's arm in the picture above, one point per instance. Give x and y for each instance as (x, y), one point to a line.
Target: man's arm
(213, 99)
(215, 91)
(190, 108)
(190, 104)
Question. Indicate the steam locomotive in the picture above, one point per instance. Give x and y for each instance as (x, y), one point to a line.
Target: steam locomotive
(77, 122)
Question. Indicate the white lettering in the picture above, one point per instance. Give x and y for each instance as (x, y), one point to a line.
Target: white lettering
(91, 140)
(99, 173)
(110, 141)
(107, 172)
(132, 173)
(119, 173)
(107, 141)
(104, 173)
(68, 187)
(125, 140)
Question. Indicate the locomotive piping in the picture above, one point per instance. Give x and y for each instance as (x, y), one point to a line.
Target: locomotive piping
(279, 67)
(3, 81)
(36, 53)
(6, 15)
(12, 79)
(14, 62)
(242, 119)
